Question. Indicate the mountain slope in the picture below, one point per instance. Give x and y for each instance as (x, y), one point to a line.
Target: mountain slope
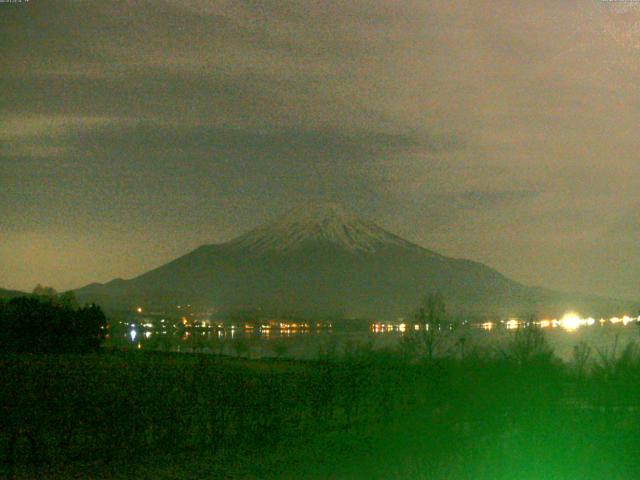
(11, 293)
(323, 260)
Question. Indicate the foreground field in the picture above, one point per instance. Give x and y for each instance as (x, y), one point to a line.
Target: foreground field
(518, 413)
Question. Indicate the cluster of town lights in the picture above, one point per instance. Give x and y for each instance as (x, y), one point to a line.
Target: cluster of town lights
(570, 322)
(190, 321)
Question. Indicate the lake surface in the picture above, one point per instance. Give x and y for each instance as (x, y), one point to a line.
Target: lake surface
(308, 342)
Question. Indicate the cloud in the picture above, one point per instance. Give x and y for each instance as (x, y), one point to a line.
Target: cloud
(502, 131)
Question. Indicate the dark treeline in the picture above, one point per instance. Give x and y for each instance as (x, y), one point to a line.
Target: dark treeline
(516, 412)
(46, 322)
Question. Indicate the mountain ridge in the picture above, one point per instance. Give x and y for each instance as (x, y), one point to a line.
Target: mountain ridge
(325, 260)
(8, 293)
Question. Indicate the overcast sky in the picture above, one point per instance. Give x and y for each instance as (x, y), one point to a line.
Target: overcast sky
(503, 131)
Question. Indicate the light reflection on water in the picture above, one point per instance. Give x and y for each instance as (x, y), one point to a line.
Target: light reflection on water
(305, 343)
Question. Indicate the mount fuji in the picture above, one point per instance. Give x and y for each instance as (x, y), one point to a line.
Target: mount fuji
(322, 260)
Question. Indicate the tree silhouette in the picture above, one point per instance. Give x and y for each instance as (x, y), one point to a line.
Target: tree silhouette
(42, 291)
(429, 317)
(44, 324)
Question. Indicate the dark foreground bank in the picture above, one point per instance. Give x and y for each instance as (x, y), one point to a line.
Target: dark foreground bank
(516, 413)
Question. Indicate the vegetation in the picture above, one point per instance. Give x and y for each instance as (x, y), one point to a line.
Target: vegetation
(430, 318)
(46, 322)
(433, 408)
(515, 412)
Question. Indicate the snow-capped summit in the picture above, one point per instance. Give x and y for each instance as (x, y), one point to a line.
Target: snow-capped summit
(318, 222)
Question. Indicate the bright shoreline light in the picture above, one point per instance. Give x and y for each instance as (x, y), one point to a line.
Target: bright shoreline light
(512, 324)
(571, 321)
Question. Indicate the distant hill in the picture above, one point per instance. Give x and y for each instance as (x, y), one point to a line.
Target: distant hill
(11, 293)
(322, 260)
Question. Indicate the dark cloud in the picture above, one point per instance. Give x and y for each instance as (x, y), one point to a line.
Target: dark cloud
(500, 131)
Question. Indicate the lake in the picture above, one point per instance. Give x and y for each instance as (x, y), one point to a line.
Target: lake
(303, 341)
